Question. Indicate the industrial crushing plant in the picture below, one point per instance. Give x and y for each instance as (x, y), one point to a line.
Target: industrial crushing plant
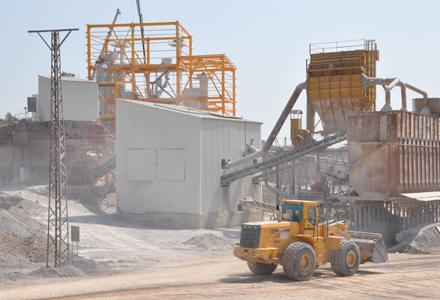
(383, 179)
(141, 153)
(386, 178)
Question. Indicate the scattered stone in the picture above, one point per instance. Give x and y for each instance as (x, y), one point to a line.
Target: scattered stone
(64, 271)
(79, 267)
(22, 237)
(209, 241)
(90, 267)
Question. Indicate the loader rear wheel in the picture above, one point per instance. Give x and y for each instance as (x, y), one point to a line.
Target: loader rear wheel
(299, 261)
(345, 261)
(260, 268)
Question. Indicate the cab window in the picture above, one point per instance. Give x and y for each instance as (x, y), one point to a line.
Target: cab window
(292, 212)
(312, 215)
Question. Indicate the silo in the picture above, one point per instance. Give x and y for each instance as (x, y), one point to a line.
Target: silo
(334, 82)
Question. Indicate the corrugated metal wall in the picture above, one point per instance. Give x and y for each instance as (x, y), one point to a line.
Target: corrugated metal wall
(419, 147)
(394, 152)
(390, 217)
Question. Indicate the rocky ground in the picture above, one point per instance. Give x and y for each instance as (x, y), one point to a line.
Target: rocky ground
(113, 245)
(109, 242)
(406, 276)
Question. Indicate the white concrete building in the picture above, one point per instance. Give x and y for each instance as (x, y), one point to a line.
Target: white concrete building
(80, 99)
(168, 164)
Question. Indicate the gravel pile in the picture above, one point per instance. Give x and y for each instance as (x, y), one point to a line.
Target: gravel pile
(79, 267)
(419, 239)
(99, 197)
(209, 241)
(23, 242)
(22, 236)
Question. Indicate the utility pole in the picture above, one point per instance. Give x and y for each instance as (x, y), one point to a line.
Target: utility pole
(58, 250)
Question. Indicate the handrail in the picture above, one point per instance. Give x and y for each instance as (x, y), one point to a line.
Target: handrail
(359, 44)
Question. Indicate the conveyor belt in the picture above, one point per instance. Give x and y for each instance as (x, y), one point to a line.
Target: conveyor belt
(283, 157)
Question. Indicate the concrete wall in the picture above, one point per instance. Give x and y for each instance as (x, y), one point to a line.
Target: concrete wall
(24, 155)
(80, 99)
(25, 147)
(169, 164)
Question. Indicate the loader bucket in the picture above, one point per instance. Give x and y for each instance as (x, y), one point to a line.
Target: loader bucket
(371, 245)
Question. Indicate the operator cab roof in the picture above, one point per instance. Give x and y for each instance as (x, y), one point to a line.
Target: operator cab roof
(291, 201)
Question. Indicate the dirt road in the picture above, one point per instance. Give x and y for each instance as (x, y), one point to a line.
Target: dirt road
(405, 276)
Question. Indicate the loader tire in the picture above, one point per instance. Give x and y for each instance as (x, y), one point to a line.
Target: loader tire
(260, 268)
(299, 261)
(345, 261)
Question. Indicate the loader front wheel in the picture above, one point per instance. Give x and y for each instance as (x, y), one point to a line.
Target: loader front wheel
(260, 268)
(299, 261)
(345, 261)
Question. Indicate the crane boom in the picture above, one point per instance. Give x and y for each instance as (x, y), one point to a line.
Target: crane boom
(141, 20)
(109, 35)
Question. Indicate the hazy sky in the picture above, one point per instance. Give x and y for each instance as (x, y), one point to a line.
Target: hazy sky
(267, 40)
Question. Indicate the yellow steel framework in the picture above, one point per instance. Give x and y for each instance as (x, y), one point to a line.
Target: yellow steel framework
(167, 73)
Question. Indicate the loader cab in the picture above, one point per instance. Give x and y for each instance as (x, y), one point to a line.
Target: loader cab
(292, 212)
(303, 212)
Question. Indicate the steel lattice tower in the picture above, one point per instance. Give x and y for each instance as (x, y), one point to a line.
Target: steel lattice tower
(58, 250)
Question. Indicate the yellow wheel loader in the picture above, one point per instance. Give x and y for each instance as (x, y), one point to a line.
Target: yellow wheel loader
(301, 243)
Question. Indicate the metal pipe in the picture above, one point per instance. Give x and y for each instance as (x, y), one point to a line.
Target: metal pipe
(417, 90)
(403, 87)
(389, 83)
(393, 83)
(403, 96)
(242, 160)
(252, 148)
(384, 82)
(252, 152)
(387, 96)
(276, 129)
(285, 113)
(390, 86)
(367, 81)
